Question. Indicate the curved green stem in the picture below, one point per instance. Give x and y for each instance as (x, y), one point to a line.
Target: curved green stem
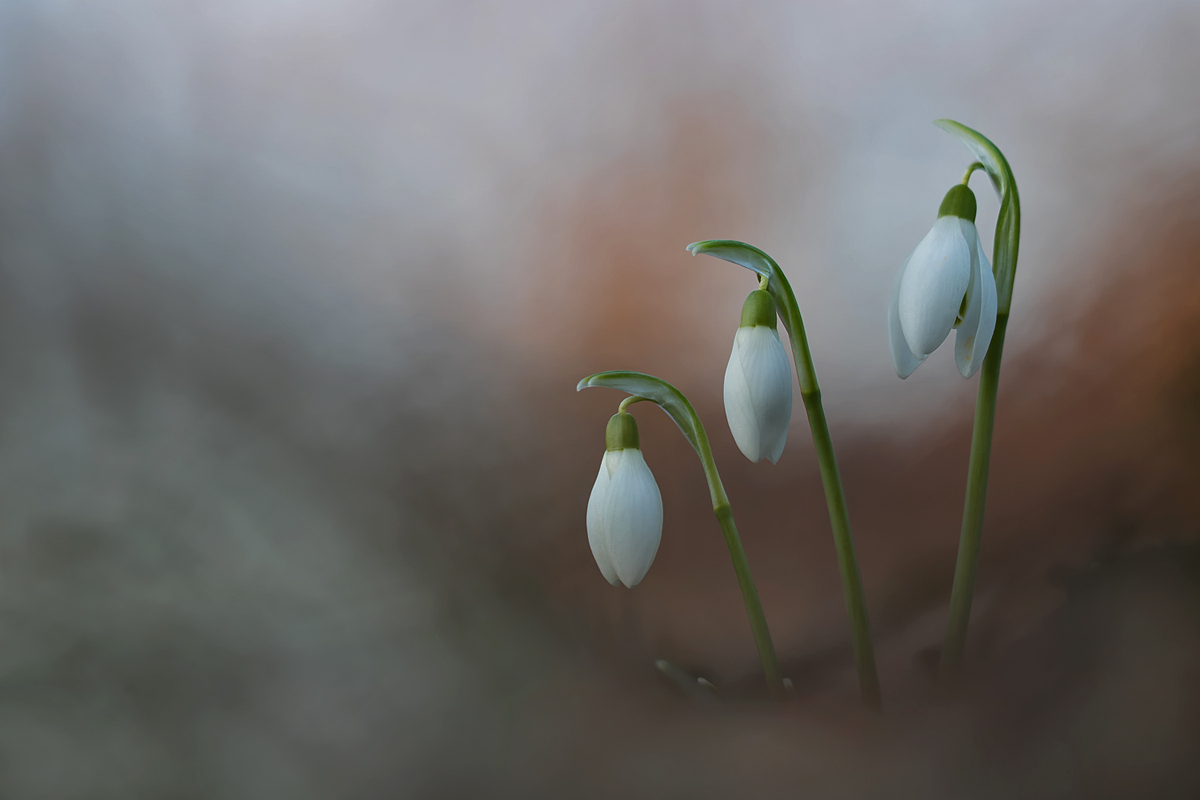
(1004, 267)
(671, 400)
(628, 401)
(835, 498)
(966, 178)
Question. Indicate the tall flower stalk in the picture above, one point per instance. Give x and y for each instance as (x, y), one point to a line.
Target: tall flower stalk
(672, 401)
(1004, 267)
(810, 392)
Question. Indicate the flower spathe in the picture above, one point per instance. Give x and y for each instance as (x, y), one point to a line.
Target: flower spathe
(945, 283)
(624, 513)
(758, 383)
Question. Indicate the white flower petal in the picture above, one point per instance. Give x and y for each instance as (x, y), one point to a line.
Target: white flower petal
(632, 516)
(597, 526)
(739, 410)
(970, 320)
(902, 356)
(934, 283)
(758, 393)
(769, 377)
(975, 333)
(775, 447)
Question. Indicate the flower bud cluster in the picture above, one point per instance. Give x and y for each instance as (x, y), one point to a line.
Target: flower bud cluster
(945, 284)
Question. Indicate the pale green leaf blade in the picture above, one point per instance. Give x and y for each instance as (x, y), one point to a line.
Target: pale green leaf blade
(657, 391)
(1008, 223)
(752, 258)
(736, 252)
(982, 148)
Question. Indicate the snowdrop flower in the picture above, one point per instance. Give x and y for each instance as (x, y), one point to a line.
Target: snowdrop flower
(945, 283)
(624, 514)
(758, 382)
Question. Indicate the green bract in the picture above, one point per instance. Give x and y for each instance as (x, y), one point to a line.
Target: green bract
(752, 258)
(1008, 223)
(657, 391)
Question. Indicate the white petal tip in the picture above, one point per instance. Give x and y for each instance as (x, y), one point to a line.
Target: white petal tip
(750, 456)
(905, 366)
(968, 366)
(775, 456)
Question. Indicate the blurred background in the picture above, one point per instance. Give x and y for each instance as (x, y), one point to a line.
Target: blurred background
(293, 301)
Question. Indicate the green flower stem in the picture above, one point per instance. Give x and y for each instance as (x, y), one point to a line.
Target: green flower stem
(671, 400)
(810, 393)
(839, 520)
(1004, 267)
(835, 498)
(972, 526)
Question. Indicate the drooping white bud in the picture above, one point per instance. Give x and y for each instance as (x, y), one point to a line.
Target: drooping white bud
(624, 514)
(758, 382)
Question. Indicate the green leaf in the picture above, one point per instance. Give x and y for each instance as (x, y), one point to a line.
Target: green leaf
(1008, 223)
(658, 391)
(752, 258)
